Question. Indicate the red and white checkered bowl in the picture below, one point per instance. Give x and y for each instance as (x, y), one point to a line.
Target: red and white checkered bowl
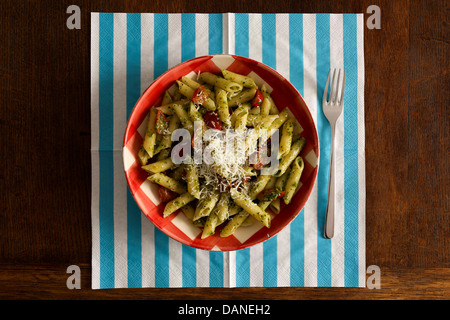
(177, 224)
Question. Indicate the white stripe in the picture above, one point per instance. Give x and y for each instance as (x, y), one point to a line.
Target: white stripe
(175, 264)
(282, 66)
(231, 269)
(226, 269)
(147, 71)
(255, 36)
(256, 265)
(310, 91)
(361, 153)
(338, 241)
(201, 34)
(202, 266)
(147, 50)
(230, 48)
(284, 258)
(120, 184)
(148, 252)
(282, 44)
(174, 39)
(94, 151)
(225, 33)
(95, 81)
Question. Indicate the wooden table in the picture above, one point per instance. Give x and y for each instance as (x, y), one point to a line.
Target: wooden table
(45, 147)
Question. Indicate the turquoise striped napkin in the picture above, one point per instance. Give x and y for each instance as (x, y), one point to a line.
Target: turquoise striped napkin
(129, 51)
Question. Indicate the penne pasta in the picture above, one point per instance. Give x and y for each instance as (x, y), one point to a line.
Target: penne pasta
(210, 225)
(143, 156)
(184, 118)
(167, 109)
(234, 223)
(223, 206)
(228, 194)
(286, 161)
(249, 206)
(167, 182)
(159, 166)
(222, 107)
(266, 103)
(275, 205)
(206, 205)
(192, 180)
(241, 121)
(177, 203)
(166, 98)
(150, 134)
(245, 81)
(220, 82)
(259, 185)
(293, 179)
(242, 97)
(286, 137)
(166, 140)
(190, 82)
(188, 92)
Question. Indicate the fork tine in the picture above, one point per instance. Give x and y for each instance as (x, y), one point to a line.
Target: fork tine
(335, 98)
(324, 100)
(343, 89)
(333, 87)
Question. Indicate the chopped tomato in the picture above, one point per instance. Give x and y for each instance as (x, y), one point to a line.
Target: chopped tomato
(212, 120)
(162, 125)
(200, 95)
(166, 195)
(258, 99)
(257, 161)
(258, 165)
(269, 194)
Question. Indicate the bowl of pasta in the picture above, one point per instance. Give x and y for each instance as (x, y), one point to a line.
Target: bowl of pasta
(221, 152)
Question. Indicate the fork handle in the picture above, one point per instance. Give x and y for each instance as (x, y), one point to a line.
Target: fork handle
(329, 218)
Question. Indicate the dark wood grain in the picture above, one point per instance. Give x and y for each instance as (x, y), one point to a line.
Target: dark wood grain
(50, 281)
(45, 218)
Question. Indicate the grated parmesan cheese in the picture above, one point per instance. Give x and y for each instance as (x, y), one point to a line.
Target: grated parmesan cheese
(223, 161)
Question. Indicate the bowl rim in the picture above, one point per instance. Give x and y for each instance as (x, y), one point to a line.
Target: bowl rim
(316, 135)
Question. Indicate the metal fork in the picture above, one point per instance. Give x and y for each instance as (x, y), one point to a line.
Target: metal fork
(332, 109)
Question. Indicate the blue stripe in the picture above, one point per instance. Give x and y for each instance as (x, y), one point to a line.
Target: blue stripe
(297, 251)
(106, 162)
(134, 237)
(161, 44)
(161, 38)
(270, 262)
(243, 268)
(351, 151)
(216, 269)
(241, 34)
(269, 39)
(187, 36)
(269, 58)
(189, 270)
(161, 259)
(323, 128)
(215, 33)
(296, 74)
